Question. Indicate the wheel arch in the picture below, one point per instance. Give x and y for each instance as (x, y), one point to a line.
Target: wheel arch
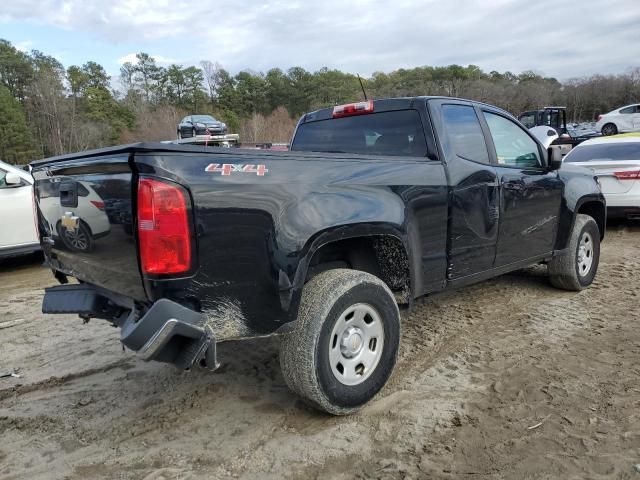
(381, 249)
(593, 205)
(597, 210)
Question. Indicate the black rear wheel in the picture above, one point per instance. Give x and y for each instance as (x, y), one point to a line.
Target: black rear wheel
(609, 129)
(345, 342)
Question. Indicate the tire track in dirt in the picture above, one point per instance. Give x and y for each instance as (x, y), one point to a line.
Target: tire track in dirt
(477, 367)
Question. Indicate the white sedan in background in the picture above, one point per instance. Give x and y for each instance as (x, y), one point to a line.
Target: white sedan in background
(615, 161)
(18, 232)
(622, 120)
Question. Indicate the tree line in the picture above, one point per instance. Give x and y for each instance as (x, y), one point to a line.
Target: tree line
(47, 109)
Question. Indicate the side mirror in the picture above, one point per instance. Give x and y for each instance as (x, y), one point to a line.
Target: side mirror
(555, 158)
(12, 179)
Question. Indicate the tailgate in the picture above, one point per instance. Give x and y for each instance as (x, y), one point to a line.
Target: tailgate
(86, 221)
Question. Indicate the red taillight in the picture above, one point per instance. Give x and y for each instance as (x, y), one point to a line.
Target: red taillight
(628, 175)
(163, 228)
(350, 109)
(97, 204)
(599, 118)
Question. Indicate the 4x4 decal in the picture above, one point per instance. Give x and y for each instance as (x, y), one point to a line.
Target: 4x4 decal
(227, 169)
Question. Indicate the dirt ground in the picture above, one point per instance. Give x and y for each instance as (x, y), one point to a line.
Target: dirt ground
(506, 379)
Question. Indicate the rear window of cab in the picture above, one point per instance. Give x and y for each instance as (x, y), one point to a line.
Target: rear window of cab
(396, 132)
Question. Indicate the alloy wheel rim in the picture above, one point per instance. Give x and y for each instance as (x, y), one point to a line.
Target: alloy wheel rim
(77, 239)
(356, 344)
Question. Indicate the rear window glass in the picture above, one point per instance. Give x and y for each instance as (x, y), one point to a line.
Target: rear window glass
(465, 133)
(386, 133)
(604, 151)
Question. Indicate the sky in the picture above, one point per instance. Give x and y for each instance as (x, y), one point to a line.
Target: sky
(563, 39)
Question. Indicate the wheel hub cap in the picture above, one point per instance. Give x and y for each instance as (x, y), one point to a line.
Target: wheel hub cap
(584, 258)
(352, 342)
(356, 344)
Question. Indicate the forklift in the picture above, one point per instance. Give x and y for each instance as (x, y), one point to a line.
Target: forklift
(556, 119)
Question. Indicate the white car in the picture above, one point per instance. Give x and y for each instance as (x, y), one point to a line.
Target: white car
(622, 120)
(19, 234)
(616, 162)
(90, 210)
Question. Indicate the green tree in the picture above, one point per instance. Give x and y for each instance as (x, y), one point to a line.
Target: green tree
(103, 108)
(193, 80)
(16, 70)
(16, 143)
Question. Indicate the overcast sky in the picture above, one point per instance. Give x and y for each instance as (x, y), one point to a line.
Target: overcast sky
(553, 37)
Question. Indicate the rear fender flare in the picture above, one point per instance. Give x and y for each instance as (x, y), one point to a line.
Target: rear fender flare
(327, 236)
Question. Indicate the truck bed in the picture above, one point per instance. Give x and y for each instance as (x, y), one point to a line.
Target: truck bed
(255, 215)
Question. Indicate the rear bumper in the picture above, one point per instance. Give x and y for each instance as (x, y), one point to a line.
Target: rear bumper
(166, 332)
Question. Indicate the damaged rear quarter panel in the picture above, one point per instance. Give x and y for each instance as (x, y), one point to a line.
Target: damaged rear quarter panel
(255, 234)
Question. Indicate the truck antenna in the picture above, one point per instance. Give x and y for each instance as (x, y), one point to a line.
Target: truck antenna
(362, 86)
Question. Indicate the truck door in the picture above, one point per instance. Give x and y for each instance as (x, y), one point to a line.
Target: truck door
(530, 194)
(473, 187)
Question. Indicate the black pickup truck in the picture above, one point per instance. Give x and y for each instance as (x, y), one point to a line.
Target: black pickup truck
(377, 203)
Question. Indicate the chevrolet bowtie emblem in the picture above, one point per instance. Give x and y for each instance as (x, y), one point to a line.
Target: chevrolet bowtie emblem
(69, 221)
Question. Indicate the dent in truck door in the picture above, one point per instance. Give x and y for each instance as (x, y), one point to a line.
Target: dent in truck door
(530, 194)
(473, 184)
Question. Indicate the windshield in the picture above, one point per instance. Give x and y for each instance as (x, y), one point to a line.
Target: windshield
(386, 133)
(203, 118)
(604, 151)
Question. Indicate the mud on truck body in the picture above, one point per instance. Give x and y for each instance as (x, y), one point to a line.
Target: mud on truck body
(376, 204)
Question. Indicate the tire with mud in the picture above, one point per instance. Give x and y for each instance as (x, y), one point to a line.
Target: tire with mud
(576, 267)
(345, 343)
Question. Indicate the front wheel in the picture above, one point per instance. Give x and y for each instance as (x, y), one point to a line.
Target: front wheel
(345, 342)
(576, 267)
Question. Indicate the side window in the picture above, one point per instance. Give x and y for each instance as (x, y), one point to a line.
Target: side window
(528, 120)
(628, 110)
(514, 148)
(465, 134)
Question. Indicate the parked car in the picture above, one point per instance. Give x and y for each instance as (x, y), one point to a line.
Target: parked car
(377, 203)
(67, 202)
(616, 162)
(18, 235)
(193, 125)
(622, 120)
